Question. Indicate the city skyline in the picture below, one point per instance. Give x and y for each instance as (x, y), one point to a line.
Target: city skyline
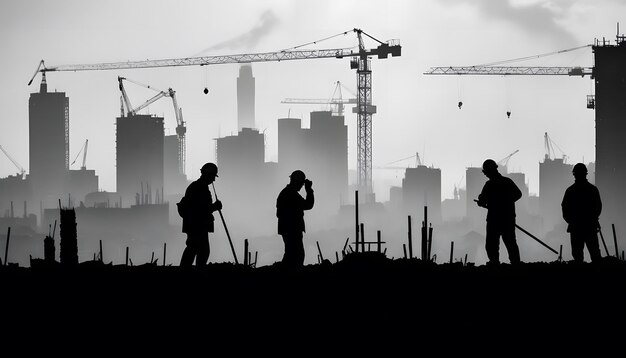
(416, 113)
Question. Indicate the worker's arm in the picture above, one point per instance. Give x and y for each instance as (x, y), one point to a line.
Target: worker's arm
(516, 194)
(565, 207)
(482, 197)
(598, 203)
(309, 201)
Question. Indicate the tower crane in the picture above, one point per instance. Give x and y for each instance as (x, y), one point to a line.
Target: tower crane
(83, 149)
(181, 129)
(504, 162)
(549, 144)
(336, 100)
(21, 170)
(360, 61)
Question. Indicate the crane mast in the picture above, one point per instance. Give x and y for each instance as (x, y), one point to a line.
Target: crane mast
(361, 62)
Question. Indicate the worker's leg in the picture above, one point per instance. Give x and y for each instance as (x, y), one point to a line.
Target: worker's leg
(578, 244)
(593, 246)
(298, 249)
(508, 237)
(287, 257)
(492, 243)
(189, 254)
(203, 249)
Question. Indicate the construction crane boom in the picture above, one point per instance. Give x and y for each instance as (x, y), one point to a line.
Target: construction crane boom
(337, 100)
(511, 71)
(17, 165)
(360, 62)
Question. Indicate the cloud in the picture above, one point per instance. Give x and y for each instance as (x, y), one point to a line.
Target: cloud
(538, 18)
(267, 22)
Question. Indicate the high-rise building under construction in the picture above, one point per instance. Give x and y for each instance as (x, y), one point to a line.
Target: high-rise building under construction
(48, 134)
(245, 97)
(609, 73)
(139, 156)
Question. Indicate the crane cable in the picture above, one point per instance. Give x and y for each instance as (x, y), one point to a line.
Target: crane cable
(532, 57)
(315, 42)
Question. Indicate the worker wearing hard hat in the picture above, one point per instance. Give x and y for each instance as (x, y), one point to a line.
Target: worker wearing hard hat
(581, 210)
(196, 209)
(290, 207)
(499, 196)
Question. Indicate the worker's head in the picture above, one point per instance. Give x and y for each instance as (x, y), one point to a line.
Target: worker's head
(490, 168)
(208, 172)
(579, 171)
(297, 179)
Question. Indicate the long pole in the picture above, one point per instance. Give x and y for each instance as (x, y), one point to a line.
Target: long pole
(615, 241)
(232, 248)
(606, 250)
(356, 217)
(534, 237)
(410, 238)
(6, 249)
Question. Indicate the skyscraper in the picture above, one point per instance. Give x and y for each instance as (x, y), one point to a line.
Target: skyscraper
(48, 143)
(245, 97)
(139, 156)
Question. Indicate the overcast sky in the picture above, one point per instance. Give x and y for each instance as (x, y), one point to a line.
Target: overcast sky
(416, 113)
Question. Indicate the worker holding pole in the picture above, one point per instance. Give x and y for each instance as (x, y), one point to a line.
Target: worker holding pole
(290, 207)
(499, 196)
(581, 207)
(196, 209)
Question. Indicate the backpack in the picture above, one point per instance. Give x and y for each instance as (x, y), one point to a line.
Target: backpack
(183, 207)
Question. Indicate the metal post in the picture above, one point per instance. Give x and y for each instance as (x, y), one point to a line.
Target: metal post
(336, 256)
(560, 253)
(164, 252)
(410, 240)
(356, 217)
(615, 241)
(126, 255)
(451, 250)
(363, 237)
(430, 241)
(101, 259)
(606, 250)
(404, 249)
(152, 258)
(319, 250)
(379, 241)
(245, 252)
(6, 248)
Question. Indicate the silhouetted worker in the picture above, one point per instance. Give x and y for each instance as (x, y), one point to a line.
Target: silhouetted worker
(290, 207)
(499, 196)
(198, 217)
(581, 210)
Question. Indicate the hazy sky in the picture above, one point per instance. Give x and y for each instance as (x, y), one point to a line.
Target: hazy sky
(415, 112)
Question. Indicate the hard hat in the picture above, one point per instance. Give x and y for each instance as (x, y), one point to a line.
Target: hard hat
(209, 168)
(489, 164)
(298, 175)
(579, 168)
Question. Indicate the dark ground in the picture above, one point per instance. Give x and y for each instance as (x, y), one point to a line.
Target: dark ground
(365, 302)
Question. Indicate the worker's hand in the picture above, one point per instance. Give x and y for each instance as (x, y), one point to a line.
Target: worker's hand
(307, 185)
(482, 204)
(217, 205)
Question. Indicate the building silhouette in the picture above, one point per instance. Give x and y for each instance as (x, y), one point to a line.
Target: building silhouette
(609, 74)
(421, 187)
(321, 151)
(247, 184)
(245, 97)
(48, 134)
(139, 156)
(554, 177)
(474, 182)
(174, 181)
